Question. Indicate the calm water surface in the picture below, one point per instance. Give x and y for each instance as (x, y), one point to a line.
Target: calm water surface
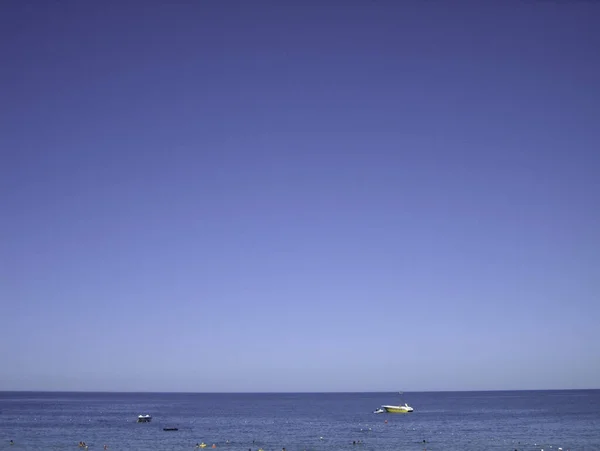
(525, 420)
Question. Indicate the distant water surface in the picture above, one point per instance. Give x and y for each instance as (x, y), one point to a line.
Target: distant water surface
(523, 420)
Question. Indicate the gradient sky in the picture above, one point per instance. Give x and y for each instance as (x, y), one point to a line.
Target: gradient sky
(297, 196)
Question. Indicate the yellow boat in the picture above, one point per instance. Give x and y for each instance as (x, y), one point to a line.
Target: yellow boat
(398, 409)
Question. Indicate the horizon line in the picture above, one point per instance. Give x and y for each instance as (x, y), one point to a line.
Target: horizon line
(291, 392)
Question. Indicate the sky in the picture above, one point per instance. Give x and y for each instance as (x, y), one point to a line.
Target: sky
(231, 196)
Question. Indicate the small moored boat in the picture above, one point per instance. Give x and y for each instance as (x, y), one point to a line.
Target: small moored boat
(398, 409)
(144, 419)
(170, 429)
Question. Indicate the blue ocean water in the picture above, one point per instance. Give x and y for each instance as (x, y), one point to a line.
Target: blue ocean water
(523, 420)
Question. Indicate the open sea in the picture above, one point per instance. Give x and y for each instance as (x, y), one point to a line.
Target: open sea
(522, 420)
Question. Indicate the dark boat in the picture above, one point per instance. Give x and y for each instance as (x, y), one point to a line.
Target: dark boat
(170, 429)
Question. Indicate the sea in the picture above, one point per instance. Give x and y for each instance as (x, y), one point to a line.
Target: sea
(499, 420)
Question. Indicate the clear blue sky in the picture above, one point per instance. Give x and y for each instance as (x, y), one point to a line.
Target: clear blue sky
(299, 196)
